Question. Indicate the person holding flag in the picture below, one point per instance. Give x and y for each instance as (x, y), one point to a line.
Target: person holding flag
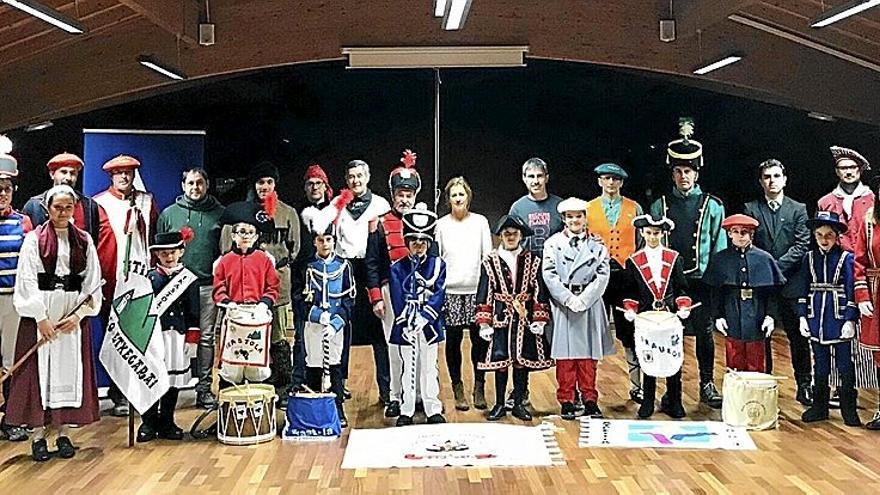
(176, 290)
(132, 214)
(57, 288)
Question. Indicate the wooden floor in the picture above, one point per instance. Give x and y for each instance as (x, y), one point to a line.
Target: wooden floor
(823, 458)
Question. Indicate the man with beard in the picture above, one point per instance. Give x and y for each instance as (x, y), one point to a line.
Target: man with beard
(201, 212)
(353, 230)
(783, 233)
(697, 237)
(132, 215)
(281, 240)
(385, 245)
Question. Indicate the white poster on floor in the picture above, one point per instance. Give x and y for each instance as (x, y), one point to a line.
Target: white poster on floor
(450, 444)
(640, 434)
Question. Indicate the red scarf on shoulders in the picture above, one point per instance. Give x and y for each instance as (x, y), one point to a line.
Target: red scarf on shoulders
(47, 240)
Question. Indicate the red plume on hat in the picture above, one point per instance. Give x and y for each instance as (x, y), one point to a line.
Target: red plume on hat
(187, 234)
(345, 197)
(409, 159)
(405, 176)
(270, 204)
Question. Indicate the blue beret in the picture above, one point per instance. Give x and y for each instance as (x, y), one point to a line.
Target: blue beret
(611, 169)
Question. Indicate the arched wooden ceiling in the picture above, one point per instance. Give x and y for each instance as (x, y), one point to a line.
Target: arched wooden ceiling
(46, 73)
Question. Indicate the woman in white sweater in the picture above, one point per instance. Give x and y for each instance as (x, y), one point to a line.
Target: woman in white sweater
(464, 239)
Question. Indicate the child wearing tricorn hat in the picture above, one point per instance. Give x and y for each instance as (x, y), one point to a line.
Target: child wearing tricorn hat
(827, 313)
(741, 278)
(417, 284)
(512, 312)
(179, 321)
(656, 282)
(245, 275)
(576, 271)
(330, 292)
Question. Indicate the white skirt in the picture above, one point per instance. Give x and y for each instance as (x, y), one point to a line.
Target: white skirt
(176, 361)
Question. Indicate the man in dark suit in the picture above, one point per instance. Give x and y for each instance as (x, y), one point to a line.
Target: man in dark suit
(783, 233)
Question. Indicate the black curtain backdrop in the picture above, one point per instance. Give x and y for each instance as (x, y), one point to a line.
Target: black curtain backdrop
(574, 116)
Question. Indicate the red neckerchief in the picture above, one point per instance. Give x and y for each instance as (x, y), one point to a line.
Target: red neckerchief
(47, 239)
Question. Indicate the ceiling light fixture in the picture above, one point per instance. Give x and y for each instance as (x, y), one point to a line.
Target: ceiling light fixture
(456, 13)
(429, 57)
(440, 8)
(724, 62)
(824, 117)
(842, 12)
(39, 126)
(47, 14)
(166, 70)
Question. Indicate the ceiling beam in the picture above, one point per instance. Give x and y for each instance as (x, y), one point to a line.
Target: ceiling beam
(178, 17)
(693, 15)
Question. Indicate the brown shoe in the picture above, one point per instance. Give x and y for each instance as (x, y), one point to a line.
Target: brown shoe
(461, 402)
(480, 395)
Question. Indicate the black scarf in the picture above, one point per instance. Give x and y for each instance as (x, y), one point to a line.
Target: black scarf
(359, 205)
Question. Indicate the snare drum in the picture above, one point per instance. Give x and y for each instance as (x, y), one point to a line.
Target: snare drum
(246, 415)
(246, 332)
(751, 399)
(659, 343)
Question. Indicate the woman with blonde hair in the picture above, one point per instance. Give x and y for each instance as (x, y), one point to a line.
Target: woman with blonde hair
(464, 240)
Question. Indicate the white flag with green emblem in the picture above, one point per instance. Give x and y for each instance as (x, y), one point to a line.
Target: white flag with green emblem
(133, 351)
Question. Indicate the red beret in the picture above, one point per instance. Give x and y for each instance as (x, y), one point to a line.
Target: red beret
(739, 220)
(121, 162)
(65, 160)
(316, 172)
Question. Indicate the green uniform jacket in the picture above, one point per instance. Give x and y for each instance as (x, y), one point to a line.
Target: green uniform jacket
(202, 217)
(706, 214)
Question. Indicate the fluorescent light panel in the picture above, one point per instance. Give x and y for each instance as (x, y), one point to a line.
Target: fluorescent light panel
(47, 14)
(440, 8)
(842, 12)
(39, 126)
(415, 57)
(724, 62)
(456, 14)
(151, 63)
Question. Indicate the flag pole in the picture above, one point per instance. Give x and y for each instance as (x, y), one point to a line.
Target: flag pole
(126, 267)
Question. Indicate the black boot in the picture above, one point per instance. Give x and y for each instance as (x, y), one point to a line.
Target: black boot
(671, 403)
(497, 412)
(40, 450)
(819, 410)
(281, 365)
(500, 389)
(314, 376)
(649, 389)
(848, 401)
(520, 388)
(167, 428)
(148, 431)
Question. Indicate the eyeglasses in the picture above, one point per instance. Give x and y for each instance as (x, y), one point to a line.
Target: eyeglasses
(6, 189)
(245, 233)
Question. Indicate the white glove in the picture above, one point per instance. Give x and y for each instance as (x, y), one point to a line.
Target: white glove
(190, 350)
(866, 309)
(264, 308)
(486, 332)
(231, 306)
(721, 326)
(768, 325)
(683, 314)
(409, 335)
(848, 330)
(629, 315)
(537, 327)
(575, 304)
(324, 319)
(804, 327)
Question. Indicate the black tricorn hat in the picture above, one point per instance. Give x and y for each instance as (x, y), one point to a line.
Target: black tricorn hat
(512, 221)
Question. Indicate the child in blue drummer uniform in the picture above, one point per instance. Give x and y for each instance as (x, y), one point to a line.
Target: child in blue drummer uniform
(828, 315)
(180, 330)
(330, 288)
(417, 285)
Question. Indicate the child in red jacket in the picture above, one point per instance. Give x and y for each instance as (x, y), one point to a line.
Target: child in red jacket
(245, 276)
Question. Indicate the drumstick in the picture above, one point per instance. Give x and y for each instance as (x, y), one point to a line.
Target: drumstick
(692, 306)
(325, 361)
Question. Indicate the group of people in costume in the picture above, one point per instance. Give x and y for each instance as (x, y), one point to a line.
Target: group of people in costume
(354, 268)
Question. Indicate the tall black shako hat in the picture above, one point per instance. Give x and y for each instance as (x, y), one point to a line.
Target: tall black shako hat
(511, 221)
(248, 212)
(685, 151)
(419, 222)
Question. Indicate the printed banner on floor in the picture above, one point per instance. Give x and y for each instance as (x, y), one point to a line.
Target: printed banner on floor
(638, 434)
(133, 352)
(449, 444)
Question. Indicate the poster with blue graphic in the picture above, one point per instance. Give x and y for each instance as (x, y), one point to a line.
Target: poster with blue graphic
(640, 434)
(164, 155)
